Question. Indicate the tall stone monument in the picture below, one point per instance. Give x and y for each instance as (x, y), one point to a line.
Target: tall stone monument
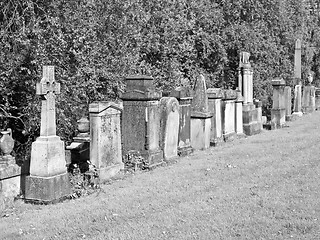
(297, 78)
(48, 180)
(251, 124)
(141, 119)
(278, 111)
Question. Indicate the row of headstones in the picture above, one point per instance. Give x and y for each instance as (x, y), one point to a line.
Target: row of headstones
(156, 128)
(304, 102)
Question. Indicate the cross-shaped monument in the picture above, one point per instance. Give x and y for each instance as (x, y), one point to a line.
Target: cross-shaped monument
(48, 180)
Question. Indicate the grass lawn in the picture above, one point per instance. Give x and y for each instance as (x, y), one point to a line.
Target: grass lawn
(261, 187)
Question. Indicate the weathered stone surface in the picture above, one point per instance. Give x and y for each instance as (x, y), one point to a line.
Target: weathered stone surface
(317, 98)
(228, 119)
(214, 103)
(288, 104)
(47, 152)
(200, 116)
(169, 127)
(297, 109)
(278, 111)
(308, 99)
(251, 126)
(297, 62)
(105, 135)
(245, 77)
(184, 139)
(239, 115)
(141, 120)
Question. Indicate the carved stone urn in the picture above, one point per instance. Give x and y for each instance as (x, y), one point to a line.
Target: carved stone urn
(6, 142)
(83, 125)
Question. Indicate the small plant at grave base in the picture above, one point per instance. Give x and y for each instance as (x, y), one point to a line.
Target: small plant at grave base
(83, 184)
(134, 161)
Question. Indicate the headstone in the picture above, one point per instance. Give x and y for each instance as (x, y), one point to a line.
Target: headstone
(200, 116)
(245, 84)
(288, 104)
(317, 98)
(141, 119)
(105, 135)
(238, 115)
(184, 97)
(297, 62)
(308, 99)
(214, 103)
(297, 108)
(10, 172)
(229, 114)
(258, 113)
(169, 127)
(278, 111)
(48, 180)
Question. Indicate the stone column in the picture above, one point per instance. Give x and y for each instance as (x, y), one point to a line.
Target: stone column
(287, 102)
(245, 78)
(184, 97)
(228, 115)
(278, 111)
(48, 180)
(238, 115)
(214, 103)
(297, 76)
(169, 127)
(105, 135)
(200, 116)
(297, 111)
(141, 119)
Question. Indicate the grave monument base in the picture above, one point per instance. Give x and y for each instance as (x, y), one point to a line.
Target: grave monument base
(185, 151)
(251, 125)
(200, 133)
(47, 189)
(216, 142)
(152, 157)
(278, 118)
(296, 115)
(228, 137)
(106, 173)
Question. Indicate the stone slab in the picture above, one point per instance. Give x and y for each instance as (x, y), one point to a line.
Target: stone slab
(47, 189)
(278, 118)
(200, 133)
(108, 172)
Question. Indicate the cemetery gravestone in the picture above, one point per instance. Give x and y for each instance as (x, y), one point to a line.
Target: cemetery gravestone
(238, 115)
(297, 75)
(228, 115)
(105, 135)
(184, 97)
(288, 104)
(317, 98)
(141, 119)
(48, 180)
(214, 104)
(169, 127)
(278, 111)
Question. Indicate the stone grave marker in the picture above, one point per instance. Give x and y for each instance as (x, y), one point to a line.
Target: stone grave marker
(228, 114)
(105, 135)
(141, 119)
(288, 104)
(169, 127)
(278, 111)
(214, 103)
(184, 97)
(238, 115)
(48, 180)
(200, 116)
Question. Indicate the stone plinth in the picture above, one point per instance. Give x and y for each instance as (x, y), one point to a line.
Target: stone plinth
(245, 78)
(228, 115)
(251, 125)
(141, 119)
(287, 103)
(297, 108)
(317, 98)
(105, 135)
(184, 98)
(239, 115)
(278, 111)
(169, 127)
(258, 115)
(200, 116)
(48, 180)
(308, 99)
(214, 103)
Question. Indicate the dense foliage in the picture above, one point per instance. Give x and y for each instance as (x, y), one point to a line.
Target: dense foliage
(94, 44)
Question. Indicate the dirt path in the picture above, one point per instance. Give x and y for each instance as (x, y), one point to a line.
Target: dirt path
(261, 187)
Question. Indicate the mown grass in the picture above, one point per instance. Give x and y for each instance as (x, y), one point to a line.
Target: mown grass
(261, 187)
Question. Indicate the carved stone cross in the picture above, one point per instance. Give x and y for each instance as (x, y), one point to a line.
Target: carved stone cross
(47, 88)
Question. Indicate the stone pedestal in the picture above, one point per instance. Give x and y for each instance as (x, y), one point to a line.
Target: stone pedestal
(48, 180)
(317, 99)
(105, 135)
(278, 111)
(251, 125)
(169, 127)
(287, 102)
(214, 104)
(200, 116)
(239, 115)
(308, 99)
(297, 111)
(228, 115)
(141, 119)
(184, 98)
